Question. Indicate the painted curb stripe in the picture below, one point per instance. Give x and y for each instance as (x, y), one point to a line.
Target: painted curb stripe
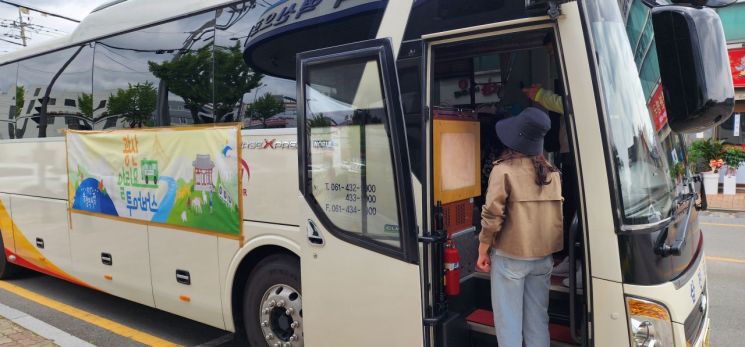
(726, 260)
(90, 318)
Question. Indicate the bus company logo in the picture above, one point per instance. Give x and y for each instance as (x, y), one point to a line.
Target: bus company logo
(270, 144)
(391, 228)
(325, 144)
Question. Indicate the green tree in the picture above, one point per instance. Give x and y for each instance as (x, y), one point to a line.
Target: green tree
(20, 99)
(265, 107)
(233, 79)
(319, 121)
(13, 129)
(135, 104)
(188, 76)
(85, 105)
(192, 77)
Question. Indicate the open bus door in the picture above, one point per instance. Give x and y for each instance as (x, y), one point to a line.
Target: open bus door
(360, 272)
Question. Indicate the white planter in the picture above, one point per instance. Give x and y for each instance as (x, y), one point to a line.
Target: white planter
(711, 183)
(730, 183)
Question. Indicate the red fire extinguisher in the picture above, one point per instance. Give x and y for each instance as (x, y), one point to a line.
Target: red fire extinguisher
(452, 270)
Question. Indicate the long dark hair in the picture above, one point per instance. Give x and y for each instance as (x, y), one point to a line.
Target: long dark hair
(542, 167)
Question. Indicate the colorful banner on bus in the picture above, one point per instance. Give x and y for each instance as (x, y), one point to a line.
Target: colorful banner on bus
(181, 177)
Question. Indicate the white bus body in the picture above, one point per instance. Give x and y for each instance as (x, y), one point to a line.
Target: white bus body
(378, 285)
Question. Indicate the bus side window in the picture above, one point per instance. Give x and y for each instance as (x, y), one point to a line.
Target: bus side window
(350, 164)
(38, 118)
(242, 94)
(156, 76)
(8, 104)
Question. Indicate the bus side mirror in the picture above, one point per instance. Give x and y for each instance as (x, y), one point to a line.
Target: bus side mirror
(694, 67)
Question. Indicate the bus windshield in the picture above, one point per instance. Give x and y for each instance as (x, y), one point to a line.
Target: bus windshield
(641, 168)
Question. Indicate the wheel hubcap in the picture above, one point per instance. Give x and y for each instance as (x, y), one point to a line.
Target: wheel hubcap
(281, 315)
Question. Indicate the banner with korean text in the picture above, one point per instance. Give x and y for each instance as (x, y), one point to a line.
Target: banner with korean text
(181, 177)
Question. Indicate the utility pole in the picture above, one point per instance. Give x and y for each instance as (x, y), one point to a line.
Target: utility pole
(21, 24)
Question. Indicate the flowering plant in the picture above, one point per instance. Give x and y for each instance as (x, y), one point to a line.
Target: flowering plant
(733, 157)
(716, 164)
(703, 152)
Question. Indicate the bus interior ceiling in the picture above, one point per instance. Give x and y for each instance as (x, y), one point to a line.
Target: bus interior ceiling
(475, 84)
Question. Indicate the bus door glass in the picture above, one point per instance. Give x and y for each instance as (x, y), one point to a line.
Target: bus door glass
(359, 264)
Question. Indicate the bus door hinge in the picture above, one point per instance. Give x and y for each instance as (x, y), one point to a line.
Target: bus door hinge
(438, 235)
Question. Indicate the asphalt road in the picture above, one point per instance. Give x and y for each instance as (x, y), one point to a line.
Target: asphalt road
(725, 246)
(144, 319)
(724, 238)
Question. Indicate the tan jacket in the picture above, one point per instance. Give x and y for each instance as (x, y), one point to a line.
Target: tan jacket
(520, 218)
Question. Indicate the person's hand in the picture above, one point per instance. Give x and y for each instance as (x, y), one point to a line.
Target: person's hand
(483, 264)
(532, 91)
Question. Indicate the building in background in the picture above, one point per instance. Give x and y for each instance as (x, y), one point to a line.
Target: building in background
(733, 21)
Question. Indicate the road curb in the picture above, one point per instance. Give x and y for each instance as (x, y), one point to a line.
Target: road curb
(41, 328)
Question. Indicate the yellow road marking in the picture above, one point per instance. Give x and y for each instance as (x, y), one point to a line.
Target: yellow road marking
(724, 225)
(726, 260)
(98, 321)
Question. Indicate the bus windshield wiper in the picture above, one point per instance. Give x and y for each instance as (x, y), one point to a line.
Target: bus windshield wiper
(664, 249)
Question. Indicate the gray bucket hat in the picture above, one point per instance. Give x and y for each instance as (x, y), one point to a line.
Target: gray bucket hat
(524, 132)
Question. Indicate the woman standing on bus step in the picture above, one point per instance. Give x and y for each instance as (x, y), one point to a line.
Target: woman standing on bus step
(521, 223)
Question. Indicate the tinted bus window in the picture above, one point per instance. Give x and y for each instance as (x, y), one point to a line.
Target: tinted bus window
(156, 76)
(35, 77)
(74, 91)
(8, 107)
(242, 93)
(641, 38)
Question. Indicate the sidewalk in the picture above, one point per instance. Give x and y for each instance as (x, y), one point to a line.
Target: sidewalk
(18, 329)
(727, 202)
(13, 335)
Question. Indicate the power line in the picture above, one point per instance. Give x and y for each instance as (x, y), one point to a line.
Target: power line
(40, 11)
(15, 43)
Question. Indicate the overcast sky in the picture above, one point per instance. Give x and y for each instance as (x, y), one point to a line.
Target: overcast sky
(42, 27)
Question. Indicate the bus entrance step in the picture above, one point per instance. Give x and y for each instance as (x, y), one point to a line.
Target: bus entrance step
(482, 321)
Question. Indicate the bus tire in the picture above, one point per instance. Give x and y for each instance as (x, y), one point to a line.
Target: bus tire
(272, 311)
(7, 269)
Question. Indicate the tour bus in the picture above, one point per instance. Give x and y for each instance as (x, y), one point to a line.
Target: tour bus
(365, 134)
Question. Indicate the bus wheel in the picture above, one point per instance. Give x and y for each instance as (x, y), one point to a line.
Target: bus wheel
(7, 270)
(272, 304)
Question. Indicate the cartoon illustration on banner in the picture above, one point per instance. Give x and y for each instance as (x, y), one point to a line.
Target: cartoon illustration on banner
(180, 177)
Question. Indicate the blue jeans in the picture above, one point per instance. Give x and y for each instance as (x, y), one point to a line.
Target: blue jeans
(519, 297)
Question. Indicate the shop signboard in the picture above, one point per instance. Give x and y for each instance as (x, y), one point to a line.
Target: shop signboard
(657, 110)
(737, 65)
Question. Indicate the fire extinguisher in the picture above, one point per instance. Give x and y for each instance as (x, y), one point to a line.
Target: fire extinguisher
(452, 270)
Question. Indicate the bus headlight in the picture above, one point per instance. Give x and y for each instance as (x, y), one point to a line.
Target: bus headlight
(649, 324)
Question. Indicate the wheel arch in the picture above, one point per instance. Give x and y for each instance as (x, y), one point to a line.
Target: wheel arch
(243, 263)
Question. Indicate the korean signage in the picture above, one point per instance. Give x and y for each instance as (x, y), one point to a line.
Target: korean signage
(657, 110)
(180, 177)
(295, 11)
(737, 65)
